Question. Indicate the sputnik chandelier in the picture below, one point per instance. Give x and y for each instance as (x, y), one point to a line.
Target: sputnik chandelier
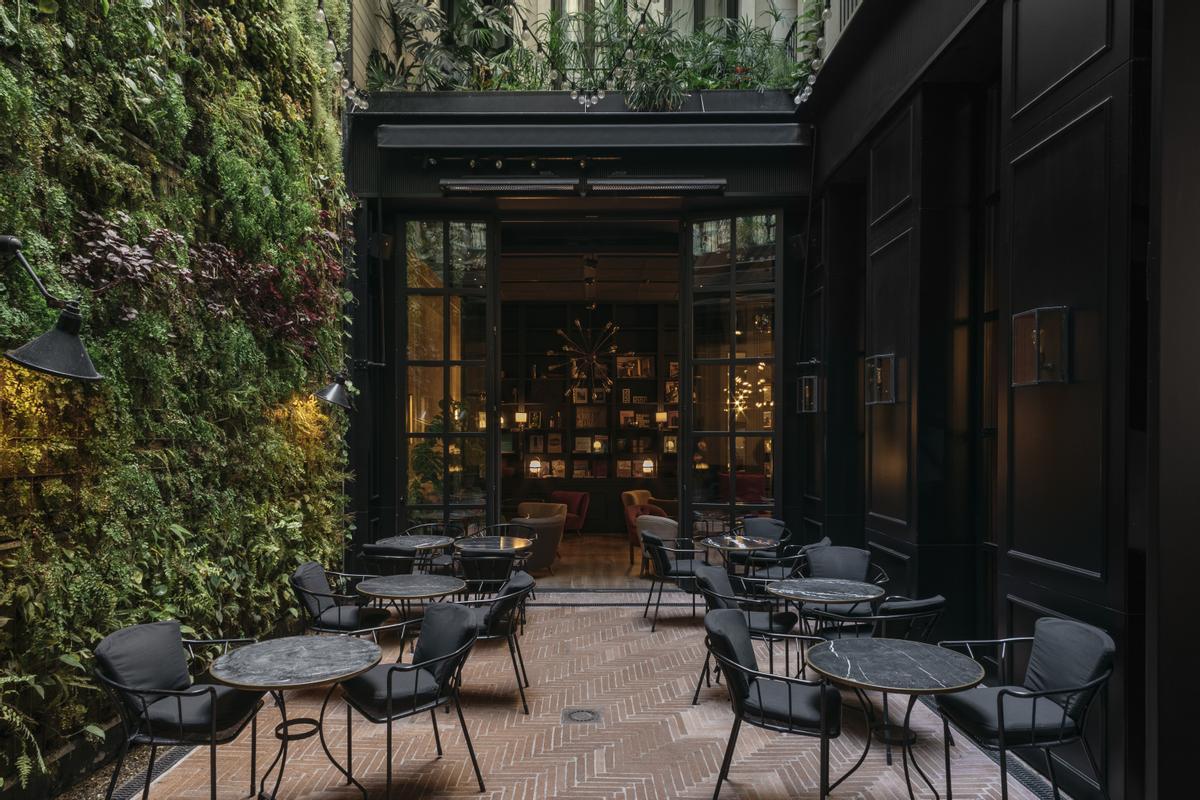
(584, 84)
(746, 386)
(585, 355)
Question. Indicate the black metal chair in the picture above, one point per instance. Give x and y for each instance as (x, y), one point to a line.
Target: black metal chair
(144, 670)
(845, 563)
(675, 565)
(775, 702)
(497, 618)
(485, 572)
(764, 618)
(429, 560)
(787, 562)
(329, 603)
(389, 692)
(1069, 663)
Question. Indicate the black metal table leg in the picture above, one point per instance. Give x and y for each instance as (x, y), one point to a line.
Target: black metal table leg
(325, 746)
(869, 713)
(908, 754)
(285, 734)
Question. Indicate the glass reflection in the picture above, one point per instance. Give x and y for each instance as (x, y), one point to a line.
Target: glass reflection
(425, 327)
(752, 399)
(468, 328)
(423, 413)
(468, 398)
(710, 461)
(425, 473)
(711, 390)
(755, 331)
(468, 254)
(710, 327)
(752, 480)
(466, 459)
(710, 254)
(423, 239)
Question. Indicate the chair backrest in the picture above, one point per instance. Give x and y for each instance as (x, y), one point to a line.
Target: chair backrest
(515, 528)
(451, 529)
(846, 563)
(311, 585)
(635, 497)
(548, 535)
(444, 629)
(532, 508)
(901, 618)
(148, 656)
(729, 636)
(485, 571)
(715, 586)
(576, 502)
(634, 513)
(664, 528)
(661, 558)
(388, 560)
(1065, 654)
(764, 527)
(507, 599)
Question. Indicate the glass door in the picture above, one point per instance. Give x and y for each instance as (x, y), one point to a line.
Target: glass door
(446, 464)
(731, 292)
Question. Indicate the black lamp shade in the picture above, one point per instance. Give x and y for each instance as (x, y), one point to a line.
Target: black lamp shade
(59, 350)
(335, 393)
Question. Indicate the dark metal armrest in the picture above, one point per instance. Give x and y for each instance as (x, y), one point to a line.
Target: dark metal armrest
(1090, 687)
(233, 640)
(970, 644)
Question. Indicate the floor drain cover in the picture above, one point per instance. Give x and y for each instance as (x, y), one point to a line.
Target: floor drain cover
(580, 715)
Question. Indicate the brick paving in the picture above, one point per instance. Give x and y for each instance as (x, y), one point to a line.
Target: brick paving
(650, 744)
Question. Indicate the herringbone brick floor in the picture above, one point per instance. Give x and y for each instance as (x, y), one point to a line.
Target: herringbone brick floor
(651, 744)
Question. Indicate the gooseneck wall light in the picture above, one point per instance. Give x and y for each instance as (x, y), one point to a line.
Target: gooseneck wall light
(59, 351)
(337, 393)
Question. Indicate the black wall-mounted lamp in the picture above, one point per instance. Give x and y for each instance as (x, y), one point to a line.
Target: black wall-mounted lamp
(808, 388)
(337, 393)
(59, 351)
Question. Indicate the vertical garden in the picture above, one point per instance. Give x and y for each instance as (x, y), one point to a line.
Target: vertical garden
(177, 166)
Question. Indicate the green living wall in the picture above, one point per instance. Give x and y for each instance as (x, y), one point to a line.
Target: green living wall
(177, 165)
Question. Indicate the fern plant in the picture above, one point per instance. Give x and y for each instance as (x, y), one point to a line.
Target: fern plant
(19, 725)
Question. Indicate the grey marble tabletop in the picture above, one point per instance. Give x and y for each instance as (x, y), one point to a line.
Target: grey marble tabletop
(295, 662)
(411, 587)
(825, 590)
(895, 665)
(500, 544)
(416, 542)
(735, 543)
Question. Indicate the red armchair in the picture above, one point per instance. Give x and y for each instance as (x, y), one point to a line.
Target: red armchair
(577, 508)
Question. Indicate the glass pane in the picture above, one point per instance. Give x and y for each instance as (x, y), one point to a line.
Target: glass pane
(426, 460)
(710, 469)
(468, 328)
(710, 254)
(756, 249)
(425, 327)
(468, 398)
(468, 520)
(423, 412)
(419, 516)
(752, 481)
(467, 460)
(468, 254)
(424, 241)
(754, 335)
(753, 397)
(710, 327)
(711, 392)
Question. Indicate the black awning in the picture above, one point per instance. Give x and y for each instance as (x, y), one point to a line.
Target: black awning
(581, 139)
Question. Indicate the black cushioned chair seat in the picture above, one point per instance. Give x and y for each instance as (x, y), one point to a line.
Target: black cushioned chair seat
(844, 631)
(771, 621)
(848, 609)
(975, 712)
(351, 618)
(194, 713)
(770, 700)
(370, 690)
(777, 573)
(441, 560)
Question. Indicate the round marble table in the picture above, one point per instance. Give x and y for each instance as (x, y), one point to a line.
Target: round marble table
(411, 587)
(727, 543)
(825, 590)
(416, 542)
(494, 544)
(295, 662)
(895, 666)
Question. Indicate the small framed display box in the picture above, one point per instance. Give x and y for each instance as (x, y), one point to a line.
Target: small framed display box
(807, 398)
(1041, 346)
(880, 379)
(635, 367)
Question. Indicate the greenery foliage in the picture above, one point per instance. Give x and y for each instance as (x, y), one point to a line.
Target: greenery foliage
(471, 50)
(177, 165)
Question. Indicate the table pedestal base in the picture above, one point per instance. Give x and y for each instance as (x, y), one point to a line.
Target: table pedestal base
(286, 731)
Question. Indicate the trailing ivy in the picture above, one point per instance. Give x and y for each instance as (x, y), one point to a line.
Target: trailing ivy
(177, 165)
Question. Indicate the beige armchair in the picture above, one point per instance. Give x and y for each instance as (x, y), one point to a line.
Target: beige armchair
(533, 508)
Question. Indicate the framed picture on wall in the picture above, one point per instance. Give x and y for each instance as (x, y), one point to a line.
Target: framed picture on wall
(554, 443)
(600, 469)
(579, 395)
(670, 444)
(558, 468)
(537, 443)
(583, 444)
(535, 419)
(672, 391)
(579, 469)
(506, 443)
(626, 396)
(624, 469)
(672, 419)
(600, 395)
(768, 420)
(673, 370)
(628, 417)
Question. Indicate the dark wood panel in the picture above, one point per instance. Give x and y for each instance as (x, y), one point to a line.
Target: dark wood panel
(1063, 446)
(891, 165)
(1060, 191)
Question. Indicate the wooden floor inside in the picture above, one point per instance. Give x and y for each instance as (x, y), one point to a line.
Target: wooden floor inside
(593, 561)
